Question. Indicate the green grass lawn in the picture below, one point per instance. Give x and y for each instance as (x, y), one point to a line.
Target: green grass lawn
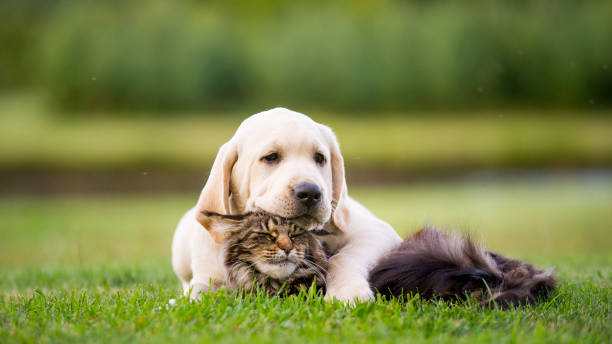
(96, 268)
(33, 137)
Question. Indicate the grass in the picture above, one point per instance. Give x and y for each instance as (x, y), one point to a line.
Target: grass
(96, 269)
(126, 308)
(32, 137)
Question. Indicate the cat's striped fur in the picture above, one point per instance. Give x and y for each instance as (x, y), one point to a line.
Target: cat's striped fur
(271, 252)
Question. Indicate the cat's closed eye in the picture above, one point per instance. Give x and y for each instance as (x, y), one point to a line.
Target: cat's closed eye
(266, 235)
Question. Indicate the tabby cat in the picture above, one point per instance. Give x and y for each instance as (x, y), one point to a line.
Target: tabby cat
(271, 252)
(280, 256)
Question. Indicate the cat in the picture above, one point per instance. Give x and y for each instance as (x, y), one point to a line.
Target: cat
(435, 264)
(284, 258)
(270, 252)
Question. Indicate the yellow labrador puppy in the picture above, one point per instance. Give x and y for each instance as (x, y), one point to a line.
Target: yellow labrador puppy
(283, 162)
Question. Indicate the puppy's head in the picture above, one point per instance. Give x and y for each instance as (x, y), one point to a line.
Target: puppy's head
(280, 162)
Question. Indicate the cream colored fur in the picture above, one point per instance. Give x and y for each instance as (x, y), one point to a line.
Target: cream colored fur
(240, 181)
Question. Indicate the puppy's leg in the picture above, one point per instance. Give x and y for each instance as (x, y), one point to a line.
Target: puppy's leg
(181, 251)
(207, 265)
(200, 284)
(185, 287)
(349, 283)
(196, 258)
(196, 289)
(368, 239)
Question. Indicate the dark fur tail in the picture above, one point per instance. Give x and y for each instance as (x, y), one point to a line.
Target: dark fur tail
(435, 264)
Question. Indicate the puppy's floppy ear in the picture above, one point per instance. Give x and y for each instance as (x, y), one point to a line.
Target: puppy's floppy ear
(215, 195)
(218, 225)
(340, 212)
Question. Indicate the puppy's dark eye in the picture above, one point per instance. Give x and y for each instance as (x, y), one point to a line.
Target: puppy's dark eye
(319, 158)
(271, 158)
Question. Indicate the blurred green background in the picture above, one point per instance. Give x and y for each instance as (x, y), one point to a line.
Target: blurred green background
(357, 56)
(488, 116)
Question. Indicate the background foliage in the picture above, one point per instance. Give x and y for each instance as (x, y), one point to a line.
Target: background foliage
(358, 56)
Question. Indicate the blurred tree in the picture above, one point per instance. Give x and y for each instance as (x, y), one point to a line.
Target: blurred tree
(341, 55)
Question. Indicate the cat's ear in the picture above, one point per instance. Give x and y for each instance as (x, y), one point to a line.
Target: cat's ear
(218, 225)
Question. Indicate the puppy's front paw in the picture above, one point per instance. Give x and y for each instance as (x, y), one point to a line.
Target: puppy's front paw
(196, 290)
(350, 292)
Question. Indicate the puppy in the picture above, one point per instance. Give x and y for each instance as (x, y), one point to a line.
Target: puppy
(282, 162)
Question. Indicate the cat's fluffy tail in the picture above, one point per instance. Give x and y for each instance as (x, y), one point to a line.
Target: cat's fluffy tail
(437, 264)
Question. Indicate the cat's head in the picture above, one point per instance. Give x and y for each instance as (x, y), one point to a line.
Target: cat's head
(271, 244)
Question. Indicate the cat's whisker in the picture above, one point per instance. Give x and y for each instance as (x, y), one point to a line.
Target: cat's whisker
(318, 270)
(313, 264)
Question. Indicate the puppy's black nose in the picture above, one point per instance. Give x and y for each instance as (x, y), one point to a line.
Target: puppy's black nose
(308, 194)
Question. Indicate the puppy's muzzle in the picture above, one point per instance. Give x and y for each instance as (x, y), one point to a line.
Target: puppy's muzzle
(307, 194)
